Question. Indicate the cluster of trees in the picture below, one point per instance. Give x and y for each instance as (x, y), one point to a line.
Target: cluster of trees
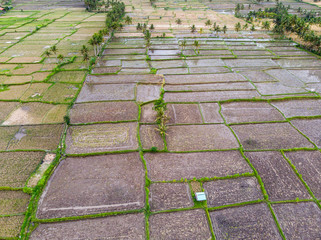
(53, 50)
(143, 27)
(238, 27)
(285, 22)
(113, 22)
(96, 5)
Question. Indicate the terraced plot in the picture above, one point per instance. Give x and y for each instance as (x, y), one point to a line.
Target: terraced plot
(83, 149)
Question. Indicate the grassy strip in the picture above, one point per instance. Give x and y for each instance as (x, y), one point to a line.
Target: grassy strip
(63, 219)
(264, 192)
(301, 179)
(236, 205)
(276, 221)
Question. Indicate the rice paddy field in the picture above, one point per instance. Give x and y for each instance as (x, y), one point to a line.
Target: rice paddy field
(82, 155)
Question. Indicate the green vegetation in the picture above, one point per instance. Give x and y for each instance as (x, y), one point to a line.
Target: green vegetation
(161, 118)
(288, 23)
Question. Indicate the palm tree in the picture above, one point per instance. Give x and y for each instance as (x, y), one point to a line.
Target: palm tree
(224, 29)
(93, 43)
(237, 27)
(245, 26)
(266, 25)
(183, 44)
(152, 27)
(178, 21)
(208, 23)
(84, 50)
(196, 45)
(60, 57)
(217, 29)
(128, 20)
(85, 57)
(54, 49)
(47, 53)
(253, 28)
(138, 27)
(193, 28)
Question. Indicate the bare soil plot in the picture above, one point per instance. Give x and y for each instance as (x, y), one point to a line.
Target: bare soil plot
(177, 113)
(179, 225)
(146, 93)
(230, 191)
(68, 77)
(278, 177)
(150, 137)
(299, 220)
(45, 137)
(252, 221)
(95, 184)
(15, 79)
(113, 79)
(10, 226)
(101, 138)
(103, 112)
(13, 202)
(104, 70)
(6, 109)
(210, 87)
(130, 226)
(204, 78)
(173, 71)
(13, 92)
(163, 196)
(299, 107)
(184, 113)
(36, 113)
(34, 92)
(16, 167)
(311, 128)
(270, 136)
(200, 137)
(61, 93)
(250, 112)
(210, 113)
(308, 165)
(170, 166)
(209, 96)
(105, 92)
